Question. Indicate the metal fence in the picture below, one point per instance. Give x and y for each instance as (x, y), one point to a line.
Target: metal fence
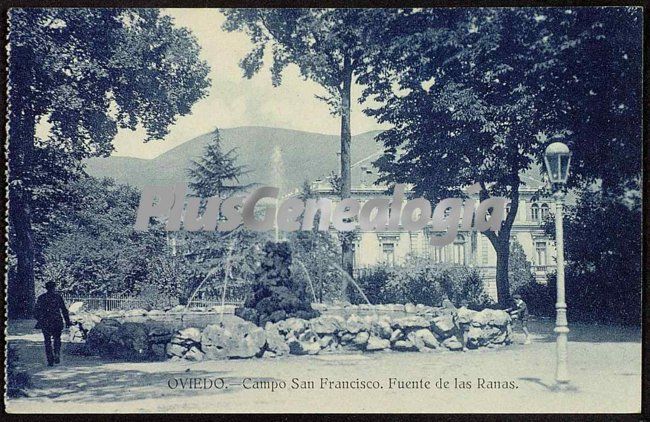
(124, 302)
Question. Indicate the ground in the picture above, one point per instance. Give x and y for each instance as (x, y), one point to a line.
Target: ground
(604, 364)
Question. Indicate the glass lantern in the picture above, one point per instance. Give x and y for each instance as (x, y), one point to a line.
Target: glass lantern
(557, 158)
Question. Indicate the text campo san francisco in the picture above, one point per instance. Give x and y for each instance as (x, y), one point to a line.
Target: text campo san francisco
(325, 383)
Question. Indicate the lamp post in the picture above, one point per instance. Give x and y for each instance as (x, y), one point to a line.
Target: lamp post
(557, 158)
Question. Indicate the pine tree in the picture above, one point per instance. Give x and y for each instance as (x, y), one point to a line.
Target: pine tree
(520, 271)
(216, 173)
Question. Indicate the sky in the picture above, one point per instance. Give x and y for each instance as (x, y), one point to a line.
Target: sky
(236, 101)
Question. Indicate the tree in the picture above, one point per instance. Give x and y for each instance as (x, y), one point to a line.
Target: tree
(476, 95)
(86, 72)
(216, 173)
(329, 46)
(519, 269)
(603, 248)
(93, 248)
(595, 77)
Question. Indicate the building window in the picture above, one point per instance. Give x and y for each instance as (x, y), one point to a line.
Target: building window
(388, 250)
(459, 250)
(534, 212)
(544, 210)
(540, 248)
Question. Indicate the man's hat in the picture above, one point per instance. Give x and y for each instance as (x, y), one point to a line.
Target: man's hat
(50, 285)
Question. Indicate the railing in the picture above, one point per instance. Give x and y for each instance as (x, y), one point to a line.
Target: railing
(125, 302)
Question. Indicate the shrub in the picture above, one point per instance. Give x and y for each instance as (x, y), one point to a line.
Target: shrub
(540, 298)
(156, 299)
(17, 381)
(420, 281)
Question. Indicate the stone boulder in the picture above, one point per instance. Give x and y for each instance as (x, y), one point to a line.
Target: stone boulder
(482, 336)
(292, 326)
(98, 338)
(427, 338)
(75, 307)
(76, 334)
(410, 308)
(410, 322)
(189, 335)
(443, 325)
(297, 347)
(232, 338)
(194, 354)
(452, 343)
(174, 349)
(465, 315)
(130, 341)
(404, 346)
(327, 324)
(495, 317)
(309, 336)
(355, 324)
(381, 328)
(396, 335)
(361, 339)
(275, 341)
(327, 341)
(375, 343)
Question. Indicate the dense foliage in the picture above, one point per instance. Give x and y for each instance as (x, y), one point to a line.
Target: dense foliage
(421, 281)
(603, 250)
(92, 246)
(519, 268)
(18, 381)
(84, 73)
(475, 95)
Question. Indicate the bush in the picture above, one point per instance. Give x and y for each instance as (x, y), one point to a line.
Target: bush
(604, 262)
(540, 298)
(17, 381)
(155, 299)
(420, 281)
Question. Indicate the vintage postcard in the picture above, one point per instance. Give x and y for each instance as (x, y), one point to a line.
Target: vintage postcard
(234, 210)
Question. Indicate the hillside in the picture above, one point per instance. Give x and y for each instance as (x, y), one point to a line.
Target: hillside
(304, 156)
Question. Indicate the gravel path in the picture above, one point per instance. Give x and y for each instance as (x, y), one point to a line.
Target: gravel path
(605, 366)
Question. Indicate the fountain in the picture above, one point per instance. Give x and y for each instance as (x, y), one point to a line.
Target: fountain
(276, 294)
(349, 278)
(311, 284)
(278, 180)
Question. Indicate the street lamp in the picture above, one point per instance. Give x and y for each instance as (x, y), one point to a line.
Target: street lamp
(557, 158)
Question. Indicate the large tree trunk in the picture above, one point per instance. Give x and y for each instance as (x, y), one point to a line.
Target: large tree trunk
(20, 297)
(503, 283)
(22, 124)
(501, 241)
(346, 179)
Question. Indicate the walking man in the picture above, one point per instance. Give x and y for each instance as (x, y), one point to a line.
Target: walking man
(50, 312)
